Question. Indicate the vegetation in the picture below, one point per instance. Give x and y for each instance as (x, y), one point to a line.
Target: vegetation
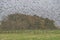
(17, 27)
(21, 21)
(32, 35)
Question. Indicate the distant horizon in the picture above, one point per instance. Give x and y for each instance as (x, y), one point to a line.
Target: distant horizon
(45, 8)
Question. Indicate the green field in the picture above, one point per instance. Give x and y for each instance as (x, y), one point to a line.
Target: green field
(31, 35)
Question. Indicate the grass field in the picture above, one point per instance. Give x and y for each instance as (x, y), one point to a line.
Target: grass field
(31, 35)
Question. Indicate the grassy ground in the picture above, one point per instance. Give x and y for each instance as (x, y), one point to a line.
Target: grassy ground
(31, 35)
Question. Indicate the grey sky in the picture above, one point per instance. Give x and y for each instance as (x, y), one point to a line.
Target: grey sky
(45, 8)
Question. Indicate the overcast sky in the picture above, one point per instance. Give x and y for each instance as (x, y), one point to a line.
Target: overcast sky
(45, 8)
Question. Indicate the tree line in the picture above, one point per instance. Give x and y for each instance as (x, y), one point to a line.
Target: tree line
(21, 21)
